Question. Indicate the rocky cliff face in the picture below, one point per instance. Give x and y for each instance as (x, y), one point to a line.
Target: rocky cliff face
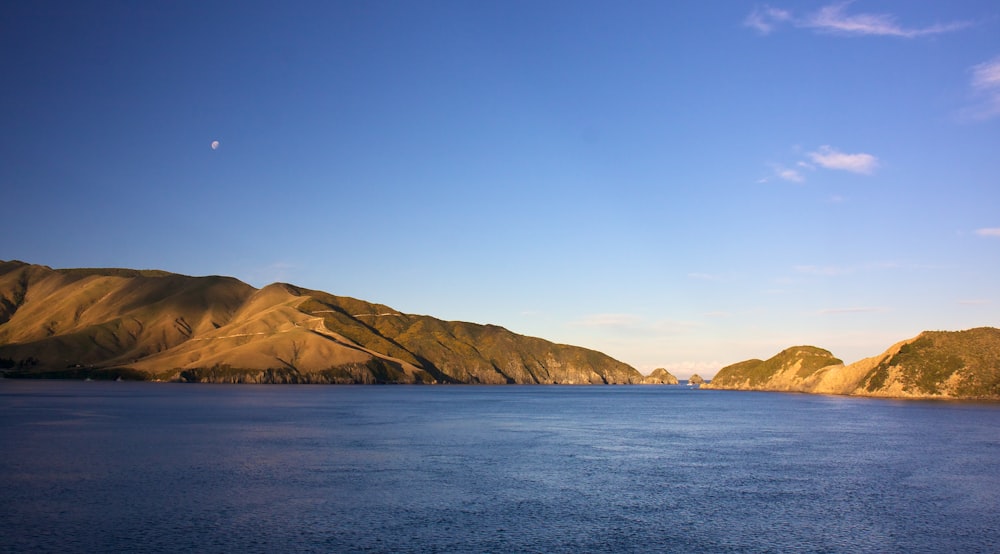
(696, 380)
(106, 323)
(660, 376)
(935, 364)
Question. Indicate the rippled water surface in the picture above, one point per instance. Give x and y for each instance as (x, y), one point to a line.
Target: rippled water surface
(147, 467)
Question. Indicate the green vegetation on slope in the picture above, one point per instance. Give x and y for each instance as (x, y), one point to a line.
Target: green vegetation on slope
(755, 373)
(936, 364)
(962, 363)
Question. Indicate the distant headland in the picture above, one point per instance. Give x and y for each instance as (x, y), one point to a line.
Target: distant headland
(154, 325)
(934, 364)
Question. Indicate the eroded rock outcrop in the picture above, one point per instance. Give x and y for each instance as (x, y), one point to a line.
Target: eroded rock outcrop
(660, 376)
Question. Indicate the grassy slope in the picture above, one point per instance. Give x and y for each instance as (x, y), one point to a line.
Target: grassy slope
(963, 364)
(465, 352)
(786, 370)
(80, 320)
(936, 364)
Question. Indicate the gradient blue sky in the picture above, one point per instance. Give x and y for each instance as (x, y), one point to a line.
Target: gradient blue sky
(677, 184)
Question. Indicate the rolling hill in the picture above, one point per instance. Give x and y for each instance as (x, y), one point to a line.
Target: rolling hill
(934, 364)
(148, 324)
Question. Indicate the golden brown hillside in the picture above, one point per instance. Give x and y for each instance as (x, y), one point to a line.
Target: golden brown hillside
(790, 370)
(935, 364)
(106, 323)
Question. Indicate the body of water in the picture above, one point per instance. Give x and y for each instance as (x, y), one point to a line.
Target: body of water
(149, 467)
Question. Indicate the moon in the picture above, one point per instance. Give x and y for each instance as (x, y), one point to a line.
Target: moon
(215, 145)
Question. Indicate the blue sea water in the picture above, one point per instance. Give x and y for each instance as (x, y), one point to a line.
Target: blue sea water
(155, 467)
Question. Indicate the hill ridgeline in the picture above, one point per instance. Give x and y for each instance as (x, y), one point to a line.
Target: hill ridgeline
(154, 325)
(934, 364)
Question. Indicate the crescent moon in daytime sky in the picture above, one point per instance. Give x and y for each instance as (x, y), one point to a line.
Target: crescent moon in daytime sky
(215, 145)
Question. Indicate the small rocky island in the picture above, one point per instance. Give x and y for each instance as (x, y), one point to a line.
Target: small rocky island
(660, 376)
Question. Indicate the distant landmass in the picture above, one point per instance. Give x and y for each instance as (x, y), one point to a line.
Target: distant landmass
(934, 364)
(155, 325)
(660, 376)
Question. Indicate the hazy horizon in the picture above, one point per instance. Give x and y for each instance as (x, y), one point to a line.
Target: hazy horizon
(682, 185)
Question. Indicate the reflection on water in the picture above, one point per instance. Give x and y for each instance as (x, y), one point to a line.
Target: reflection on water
(169, 467)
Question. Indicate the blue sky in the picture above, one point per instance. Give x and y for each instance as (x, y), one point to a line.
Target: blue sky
(677, 184)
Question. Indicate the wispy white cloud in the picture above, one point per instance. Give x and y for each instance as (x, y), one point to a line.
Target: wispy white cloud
(830, 158)
(765, 19)
(988, 232)
(834, 19)
(986, 87)
(824, 157)
(974, 302)
(986, 76)
(787, 174)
